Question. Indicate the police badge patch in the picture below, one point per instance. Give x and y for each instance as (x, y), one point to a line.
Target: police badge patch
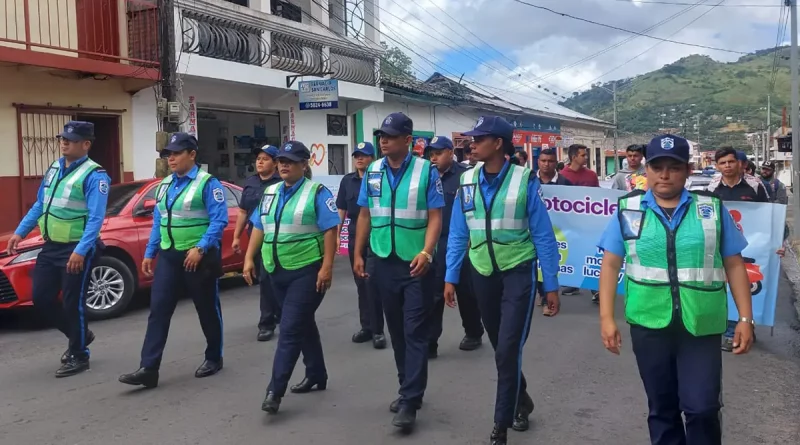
(374, 181)
(266, 203)
(631, 223)
(219, 195)
(706, 211)
(468, 197)
(331, 204)
(103, 187)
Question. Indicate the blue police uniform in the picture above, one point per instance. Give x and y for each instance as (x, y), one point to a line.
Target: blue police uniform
(49, 274)
(467, 302)
(172, 281)
(296, 291)
(253, 190)
(370, 309)
(680, 372)
(506, 298)
(407, 301)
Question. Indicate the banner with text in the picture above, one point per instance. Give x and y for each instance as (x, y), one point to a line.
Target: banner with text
(332, 182)
(580, 214)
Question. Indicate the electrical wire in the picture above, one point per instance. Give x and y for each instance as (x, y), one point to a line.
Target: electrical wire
(735, 5)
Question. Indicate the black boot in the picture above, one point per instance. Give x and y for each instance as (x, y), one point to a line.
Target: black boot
(499, 436)
(470, 343)
(265, 334)
(362, 336)
(74, 365)
(271, 403)
(379, 341)
(524, 410)
(208, 368)
(89, 340)
(142, 377)
(306, 385)
(405, 418)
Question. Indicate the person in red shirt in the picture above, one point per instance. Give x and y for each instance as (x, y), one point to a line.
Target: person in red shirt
(576, 171)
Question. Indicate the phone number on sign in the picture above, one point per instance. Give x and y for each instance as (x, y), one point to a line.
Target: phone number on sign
(321, 105)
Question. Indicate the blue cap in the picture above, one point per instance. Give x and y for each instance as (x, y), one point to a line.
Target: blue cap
(440, 143)
(294, 151)
(741, 156)
(271, 150)
(365, 148)
(669, 146)
(492, 126)
(76, 131)
(180, 142)
(396, 124)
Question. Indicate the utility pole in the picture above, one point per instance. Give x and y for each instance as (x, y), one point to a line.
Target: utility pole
(614, 92)
(168, 99)
(795, 119)
(697, 127)
(768, 136)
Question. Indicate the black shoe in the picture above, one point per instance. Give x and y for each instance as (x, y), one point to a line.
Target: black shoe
(499, 436)
(405, 418)
(271, 403)
(89, 340)
(570, 291)
(362, 336)
(523, 412)
(470, 343)
(265, 334)
(595, 297)
(433, 350)
(208, 368)
(73, 366)
(306, 385)
(394, 407)
(143, 377)
(379, 341)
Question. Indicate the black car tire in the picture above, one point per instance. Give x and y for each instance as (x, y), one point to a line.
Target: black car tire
(127, 292)
(756, 287)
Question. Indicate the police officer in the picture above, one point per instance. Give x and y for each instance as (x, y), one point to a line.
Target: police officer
(370, 309)
(70, 208)
(401, 199)
(440, 153)
(295, 230)
(188, 221)
(501, 219)
(254, 186)
(675, 298)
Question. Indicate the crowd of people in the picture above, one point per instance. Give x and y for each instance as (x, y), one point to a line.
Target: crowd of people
(425, 233)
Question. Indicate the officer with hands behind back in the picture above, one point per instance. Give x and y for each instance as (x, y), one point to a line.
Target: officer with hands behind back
(70, 208)
(501, 219)
(401, 200)
(294, 229)
(188, 221)
(678, 247)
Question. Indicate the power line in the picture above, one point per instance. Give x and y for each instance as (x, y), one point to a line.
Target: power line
(617, 28)
(735, 5)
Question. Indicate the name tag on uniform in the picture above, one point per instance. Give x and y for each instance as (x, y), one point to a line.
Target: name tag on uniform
(266, 203)
(374, 181)
(49, 176)
(631, 222)
(468, 197)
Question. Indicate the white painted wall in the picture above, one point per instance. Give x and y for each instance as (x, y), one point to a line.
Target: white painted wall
(441, 120)
(311, 129)
(145, 126)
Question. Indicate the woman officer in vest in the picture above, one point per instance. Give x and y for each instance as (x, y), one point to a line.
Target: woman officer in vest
(295, 230)
(676, 303)
(498, 211)
(188, 221)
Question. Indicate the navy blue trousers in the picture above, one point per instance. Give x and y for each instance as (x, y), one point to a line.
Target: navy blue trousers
(681, 374)
(407, 303)
(296, 291)
(49, 278)
(506, 304)
(467, 304)
(171, 282)
(370, 309)
(268, 303)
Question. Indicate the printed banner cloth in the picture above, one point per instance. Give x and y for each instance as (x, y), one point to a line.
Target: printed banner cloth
(580, 214)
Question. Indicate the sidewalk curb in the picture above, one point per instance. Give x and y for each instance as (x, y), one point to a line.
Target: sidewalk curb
(792, 268)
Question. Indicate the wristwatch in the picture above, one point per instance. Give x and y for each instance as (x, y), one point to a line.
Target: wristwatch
(427, 256)
(201, 250)
(747, 320)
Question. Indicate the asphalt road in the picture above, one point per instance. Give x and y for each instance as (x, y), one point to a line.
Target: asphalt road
(583, 394)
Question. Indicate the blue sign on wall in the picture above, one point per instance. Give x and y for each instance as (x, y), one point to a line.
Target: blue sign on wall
(537, 124)
(319, 94)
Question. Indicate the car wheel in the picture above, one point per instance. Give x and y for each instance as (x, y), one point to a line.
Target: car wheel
(110, 289)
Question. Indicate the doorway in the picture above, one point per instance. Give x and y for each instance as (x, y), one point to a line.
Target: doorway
(106, 147)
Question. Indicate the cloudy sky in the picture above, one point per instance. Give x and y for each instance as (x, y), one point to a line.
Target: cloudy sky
(511, 49)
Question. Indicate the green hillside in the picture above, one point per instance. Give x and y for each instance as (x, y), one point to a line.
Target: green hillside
(730, 98)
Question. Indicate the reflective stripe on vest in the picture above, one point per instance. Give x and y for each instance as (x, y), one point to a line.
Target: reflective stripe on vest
(64, 203)
(295, 240)
(187, 220)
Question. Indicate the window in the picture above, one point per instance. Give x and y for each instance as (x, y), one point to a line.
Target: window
(336, 159)
(231, 199)
(119, 195)
(337, 125)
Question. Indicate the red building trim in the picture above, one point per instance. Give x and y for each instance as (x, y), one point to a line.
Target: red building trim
(55, 61)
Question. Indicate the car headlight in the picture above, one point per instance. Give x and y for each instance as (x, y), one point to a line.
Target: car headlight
(30, 255)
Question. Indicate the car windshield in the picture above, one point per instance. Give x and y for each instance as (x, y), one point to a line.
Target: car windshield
(119, 195)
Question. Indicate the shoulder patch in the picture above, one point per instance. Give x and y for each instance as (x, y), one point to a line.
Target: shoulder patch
(219, 195)
(102, 186)
(331, 204)
(439, 188)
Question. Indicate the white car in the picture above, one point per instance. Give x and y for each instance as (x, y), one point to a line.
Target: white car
(698, 182)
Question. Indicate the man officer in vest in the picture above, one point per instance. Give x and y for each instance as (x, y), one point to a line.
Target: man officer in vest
(70, 208)
(678, 247)
(188, 221)
(401, 200)
(500, 218)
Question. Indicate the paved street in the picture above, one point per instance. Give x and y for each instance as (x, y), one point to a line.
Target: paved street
(583, 394)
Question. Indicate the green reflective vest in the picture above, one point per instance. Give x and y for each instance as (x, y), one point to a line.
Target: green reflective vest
(185, 222)
(64, 210)
(398, 216)
(667, 270)
(500, 239)
(295, 239)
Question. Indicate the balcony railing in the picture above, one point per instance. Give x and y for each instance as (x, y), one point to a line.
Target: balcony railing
(120, 31)
(216, 30)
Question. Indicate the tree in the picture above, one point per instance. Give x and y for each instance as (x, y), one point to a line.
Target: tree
(395, 63)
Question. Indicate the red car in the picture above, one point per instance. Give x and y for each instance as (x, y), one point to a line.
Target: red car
(116, 275)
